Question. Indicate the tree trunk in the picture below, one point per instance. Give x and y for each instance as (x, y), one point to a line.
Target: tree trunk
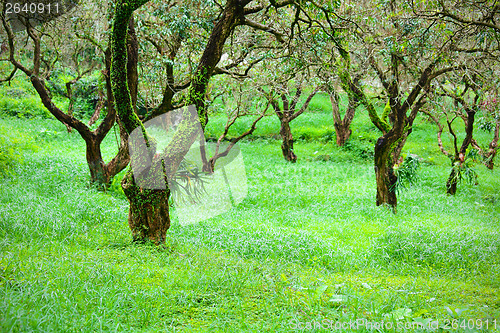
(342, 133)
(287, 143)
(342, 126)
(99, 174)
(451, 184)
(386, 179)
(148, 216)
(491, 160)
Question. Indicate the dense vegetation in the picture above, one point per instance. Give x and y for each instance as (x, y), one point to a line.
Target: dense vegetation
(368, 132)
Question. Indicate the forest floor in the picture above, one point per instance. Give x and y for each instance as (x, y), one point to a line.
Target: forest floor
(306, 250)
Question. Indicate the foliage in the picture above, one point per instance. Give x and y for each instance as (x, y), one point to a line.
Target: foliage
(407, 173)
(464, 171)
(438, 249)
(85, 93)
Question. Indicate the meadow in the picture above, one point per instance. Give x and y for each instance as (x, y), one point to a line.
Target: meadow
(306, 246)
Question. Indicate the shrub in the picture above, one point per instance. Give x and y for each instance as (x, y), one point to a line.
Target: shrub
(27, 107)
(362, 149)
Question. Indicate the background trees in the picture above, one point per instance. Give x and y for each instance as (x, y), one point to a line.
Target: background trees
(287, 51)
(462, 102)
(62, 48)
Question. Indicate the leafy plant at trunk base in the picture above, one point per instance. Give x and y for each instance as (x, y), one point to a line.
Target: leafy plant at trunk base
(465, 171)
(407, 173)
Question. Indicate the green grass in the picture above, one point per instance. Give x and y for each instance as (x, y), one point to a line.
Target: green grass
(308, 242)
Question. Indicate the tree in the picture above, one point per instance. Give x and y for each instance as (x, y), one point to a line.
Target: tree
(407, 54)
(238, 100)
(465, 99)
(323, 44)
(50, 44)
(149, 212)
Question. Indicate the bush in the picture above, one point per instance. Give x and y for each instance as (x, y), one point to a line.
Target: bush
(361, 149)
(27, 107)
(310, 133)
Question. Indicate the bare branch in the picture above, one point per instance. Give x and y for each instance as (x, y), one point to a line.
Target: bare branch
(279, 36)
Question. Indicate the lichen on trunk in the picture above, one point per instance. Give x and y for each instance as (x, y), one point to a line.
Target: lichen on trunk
(451, 183)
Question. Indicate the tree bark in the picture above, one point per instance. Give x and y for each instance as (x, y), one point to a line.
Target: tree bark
(99, 174)
(451, 183)
(148, 216)
(385, 177)
(459, 157)
(342, 133)
(287, 141)
(491, 159)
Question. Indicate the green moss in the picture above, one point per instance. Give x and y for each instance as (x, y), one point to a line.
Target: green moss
(119, 85)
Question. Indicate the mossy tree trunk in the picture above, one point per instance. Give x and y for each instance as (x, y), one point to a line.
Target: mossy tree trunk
(149, 211)
(491, 158)
(491, 153)
(451, 184)
(493, 146)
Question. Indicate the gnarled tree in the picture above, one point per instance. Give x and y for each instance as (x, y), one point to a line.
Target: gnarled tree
(149, 212)
(45, 48)
(465, 99)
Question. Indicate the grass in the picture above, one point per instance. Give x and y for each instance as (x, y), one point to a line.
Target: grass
(307, 244)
